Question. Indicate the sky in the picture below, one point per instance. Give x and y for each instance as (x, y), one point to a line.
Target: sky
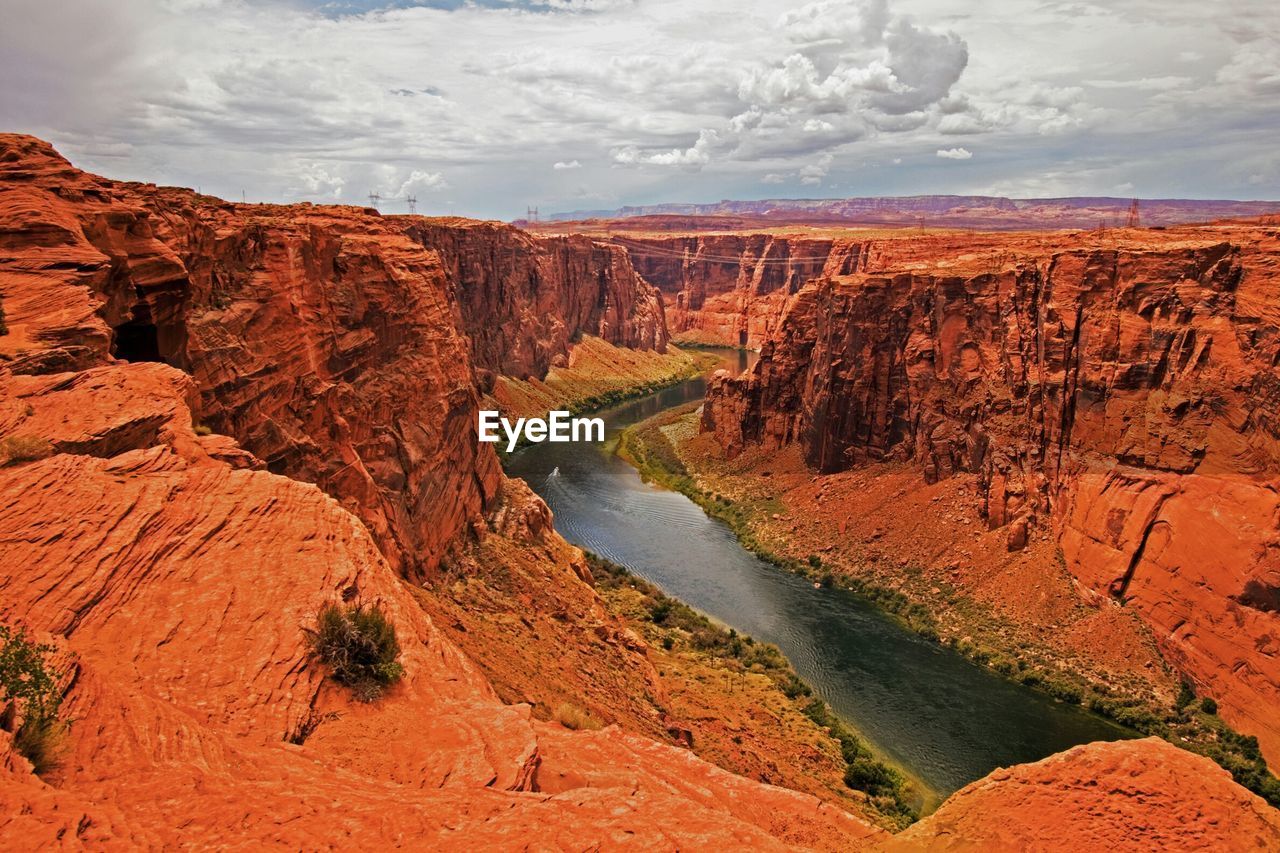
(487, 108)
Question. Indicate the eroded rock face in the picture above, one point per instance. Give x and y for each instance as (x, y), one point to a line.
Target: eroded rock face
(524, 299)
(336, 345)
(1119, 389)
(732, 289)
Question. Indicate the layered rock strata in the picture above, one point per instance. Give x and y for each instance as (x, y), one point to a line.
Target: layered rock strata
(1117, 388)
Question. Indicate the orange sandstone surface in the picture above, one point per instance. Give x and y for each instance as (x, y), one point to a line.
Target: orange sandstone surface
(328, 360)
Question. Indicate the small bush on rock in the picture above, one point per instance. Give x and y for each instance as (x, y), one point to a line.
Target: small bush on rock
(31, 694)
(572, 717)
(358, 643)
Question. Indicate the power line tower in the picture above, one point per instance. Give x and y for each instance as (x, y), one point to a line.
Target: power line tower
(1134, 220)
(531, 214)
(374, 198)
(413, 204)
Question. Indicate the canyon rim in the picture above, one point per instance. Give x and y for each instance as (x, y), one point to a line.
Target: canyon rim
(398, 447)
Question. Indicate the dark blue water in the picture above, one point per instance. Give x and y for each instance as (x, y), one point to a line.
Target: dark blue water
(944, 720)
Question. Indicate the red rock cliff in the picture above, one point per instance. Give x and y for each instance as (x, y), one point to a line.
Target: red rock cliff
(1121, 388)
(334, 344)
(524, 299)
(731, 289)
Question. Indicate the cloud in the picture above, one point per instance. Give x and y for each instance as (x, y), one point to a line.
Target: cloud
(420, 181)
(468, 101)
(561, 165)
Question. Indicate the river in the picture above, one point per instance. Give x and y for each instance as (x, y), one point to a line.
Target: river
(922, 706)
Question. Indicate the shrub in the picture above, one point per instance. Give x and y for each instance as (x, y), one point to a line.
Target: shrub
(358, 643)
(202, 429)
(659, 611)
(1186, 694)
(32, 689)
(23, 448)
(572, 717)
(1208, 705)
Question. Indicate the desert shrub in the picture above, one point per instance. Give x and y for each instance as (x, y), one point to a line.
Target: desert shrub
(659, 611)
(202, 429)
(572, 717)
(358, 643)
(1208, 705)
(32, 690)
(793, 687)
(23, 448)
(1186, 694)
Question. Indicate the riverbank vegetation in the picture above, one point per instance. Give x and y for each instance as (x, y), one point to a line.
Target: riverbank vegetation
(973, 632)
(680, 630)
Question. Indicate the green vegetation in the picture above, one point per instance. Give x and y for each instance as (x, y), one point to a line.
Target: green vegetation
(202, 429)
(31, 693)
(688, 630)
(358, 643)
(23, 448)
(1202, 732)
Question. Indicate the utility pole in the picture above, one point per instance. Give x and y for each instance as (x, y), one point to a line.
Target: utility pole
(413, 204)
(531, 214)
(374, 198)
(1134, 220)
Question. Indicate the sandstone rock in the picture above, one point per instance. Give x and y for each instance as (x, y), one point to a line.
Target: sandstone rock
(1124, 796)
(1044, 363)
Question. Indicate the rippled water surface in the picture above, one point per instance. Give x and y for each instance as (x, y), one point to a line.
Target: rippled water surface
(945, 720)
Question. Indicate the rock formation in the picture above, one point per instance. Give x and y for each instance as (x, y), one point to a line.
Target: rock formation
(1119, 387)
(731, 289)
(331, 342)
(1157, 797)
(524, 299)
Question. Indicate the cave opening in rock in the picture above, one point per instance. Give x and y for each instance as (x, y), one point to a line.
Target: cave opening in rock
(137, 340)
(742, 337)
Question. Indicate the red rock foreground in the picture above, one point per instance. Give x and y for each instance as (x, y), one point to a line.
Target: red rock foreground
(176, 573)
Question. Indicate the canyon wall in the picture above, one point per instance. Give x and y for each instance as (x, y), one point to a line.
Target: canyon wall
(1119, 389)
(732, 289)
(338, 346)
(524, 299)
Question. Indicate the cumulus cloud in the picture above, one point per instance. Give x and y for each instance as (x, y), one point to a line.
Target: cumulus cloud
(334, 99)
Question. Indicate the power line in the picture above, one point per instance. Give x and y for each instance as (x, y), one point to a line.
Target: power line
(410, 200)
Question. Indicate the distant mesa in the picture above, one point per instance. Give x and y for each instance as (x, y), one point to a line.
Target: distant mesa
(954, 211)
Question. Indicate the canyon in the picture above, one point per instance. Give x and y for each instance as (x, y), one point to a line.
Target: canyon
(1112, 389)
(247, 411)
